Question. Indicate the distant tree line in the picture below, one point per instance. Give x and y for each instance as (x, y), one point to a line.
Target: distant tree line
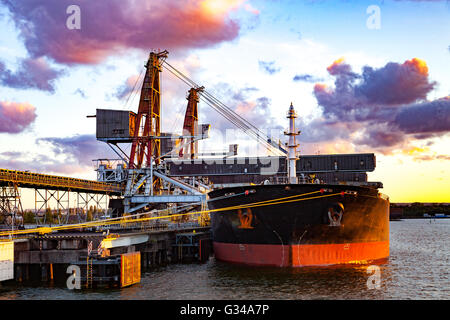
(417, 209)
(55, 216)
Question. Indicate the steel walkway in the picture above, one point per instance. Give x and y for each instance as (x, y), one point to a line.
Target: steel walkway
(25, 179)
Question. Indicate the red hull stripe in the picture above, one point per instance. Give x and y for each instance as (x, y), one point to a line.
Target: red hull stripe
(252, 254)
(301, 255)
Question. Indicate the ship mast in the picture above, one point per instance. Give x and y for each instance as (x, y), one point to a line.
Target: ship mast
(292, 146)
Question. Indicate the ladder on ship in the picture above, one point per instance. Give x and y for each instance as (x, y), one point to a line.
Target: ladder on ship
(89, 273)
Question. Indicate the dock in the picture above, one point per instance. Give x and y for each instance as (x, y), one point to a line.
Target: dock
(100, 254)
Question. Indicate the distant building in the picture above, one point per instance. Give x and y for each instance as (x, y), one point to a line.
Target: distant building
(395, 213)
(435, 215)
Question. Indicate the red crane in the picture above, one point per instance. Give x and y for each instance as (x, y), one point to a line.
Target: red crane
(145, 143)
(190, 126)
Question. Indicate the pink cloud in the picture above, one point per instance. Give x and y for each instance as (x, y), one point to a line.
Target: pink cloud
(109, 27)
(16, 117)
(30, 74)
(387, 105)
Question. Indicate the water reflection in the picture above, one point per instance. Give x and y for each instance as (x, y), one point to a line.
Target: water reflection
(417, 269)
(334, 282)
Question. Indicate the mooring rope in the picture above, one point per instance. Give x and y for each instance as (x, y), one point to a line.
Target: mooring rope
(130, 219)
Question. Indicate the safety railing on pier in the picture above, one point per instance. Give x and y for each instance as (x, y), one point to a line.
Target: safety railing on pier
(149, 226)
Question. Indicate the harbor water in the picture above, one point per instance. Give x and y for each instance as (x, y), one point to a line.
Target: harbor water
(417, 269)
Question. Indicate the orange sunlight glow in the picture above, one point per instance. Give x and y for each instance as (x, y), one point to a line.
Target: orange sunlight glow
(220, 7)
(335, 63)
(321, 87)
(418, 64)
(415, 150)
(407, 180)
(14, 108)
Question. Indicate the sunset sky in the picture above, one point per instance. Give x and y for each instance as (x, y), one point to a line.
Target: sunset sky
(364, 76)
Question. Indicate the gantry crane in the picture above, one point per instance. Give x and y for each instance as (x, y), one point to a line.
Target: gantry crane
(144, 176)
(147, 125)
(142, 170)
(190, 125)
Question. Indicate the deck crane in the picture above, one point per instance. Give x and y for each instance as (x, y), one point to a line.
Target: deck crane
(147, 125)
(144, 176)
(190, 125)
(142, 171)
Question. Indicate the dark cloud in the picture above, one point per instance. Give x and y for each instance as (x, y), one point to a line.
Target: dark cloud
(81, 149)
(30, 74)
(40, 163)
(395, 83)
(16, 117)
(339, 67)
(12, 154)
(425, 118)
(375, 93)
(409, 122)
(387, 106)
(130, 85)
(416, 121)
(306, 78)
(380, 136)
(68, 155)
(268, 66)
(323, 130)
(242, 94)
(109, 27)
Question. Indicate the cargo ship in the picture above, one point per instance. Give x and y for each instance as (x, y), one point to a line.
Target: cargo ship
(299, 223)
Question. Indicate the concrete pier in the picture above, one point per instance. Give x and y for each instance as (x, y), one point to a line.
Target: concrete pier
(46, 258)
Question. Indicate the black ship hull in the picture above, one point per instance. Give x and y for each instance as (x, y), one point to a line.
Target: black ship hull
(299, 225)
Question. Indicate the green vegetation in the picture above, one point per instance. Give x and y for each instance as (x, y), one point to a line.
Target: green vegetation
(56, 216)
(28, 217)
(90, 213)
(417, 209)
(48, 216)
